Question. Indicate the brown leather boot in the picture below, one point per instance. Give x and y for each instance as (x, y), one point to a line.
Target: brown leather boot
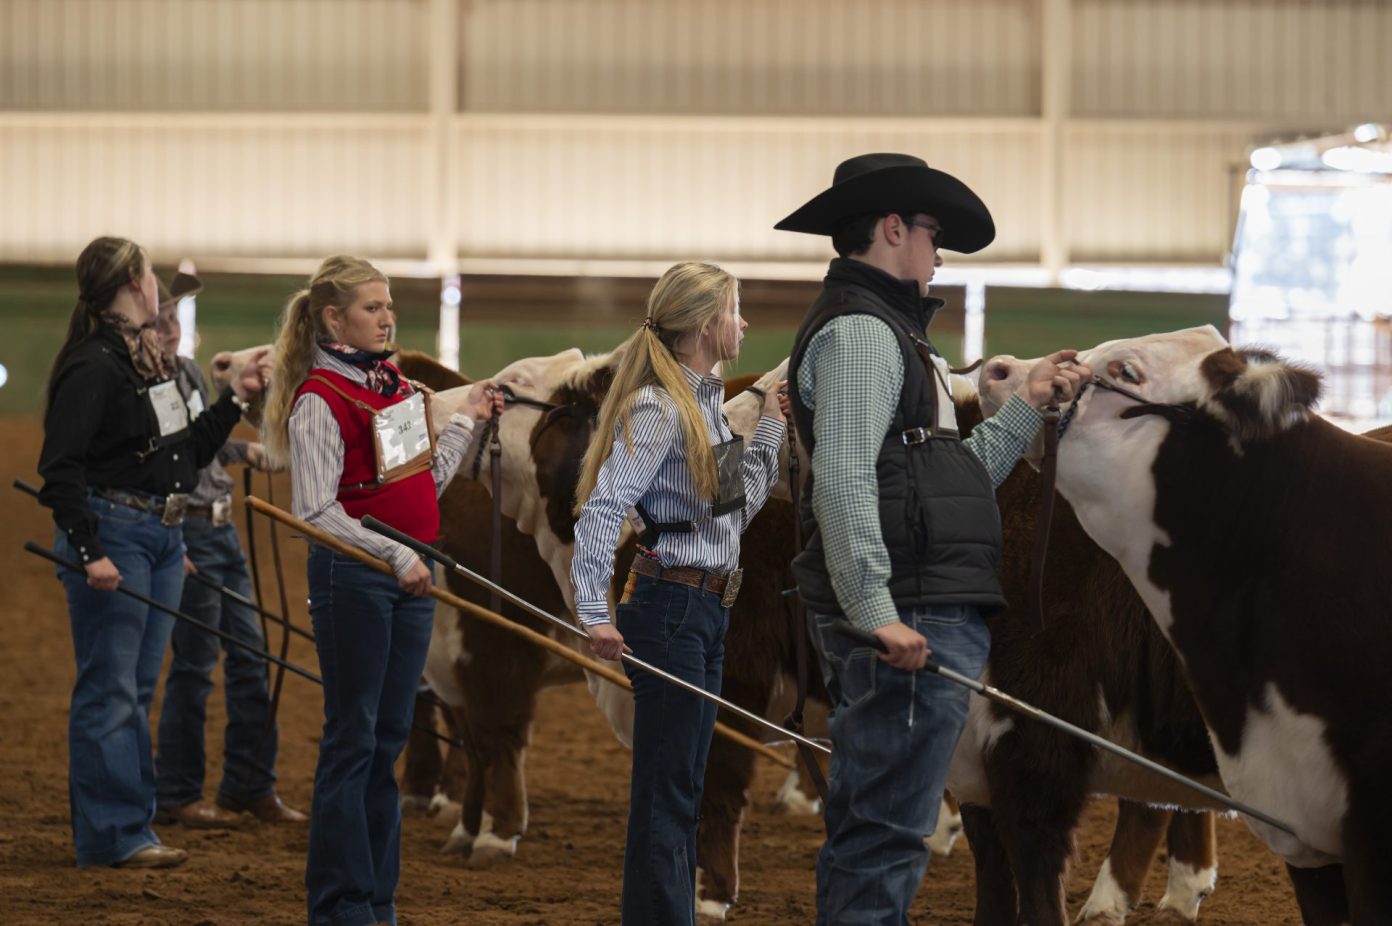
(154, 857)
(200, 815)
(268, 809)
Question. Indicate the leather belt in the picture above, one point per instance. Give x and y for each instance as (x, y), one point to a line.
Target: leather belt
(727, 587)
(170, 508)
(219, 512)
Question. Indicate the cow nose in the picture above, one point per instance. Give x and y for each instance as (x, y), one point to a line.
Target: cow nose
(998, 369)
(222, 362)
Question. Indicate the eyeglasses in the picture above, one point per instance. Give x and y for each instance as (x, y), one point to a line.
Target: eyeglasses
(934, 231)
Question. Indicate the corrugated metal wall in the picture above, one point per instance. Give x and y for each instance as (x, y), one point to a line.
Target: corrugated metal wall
(213, 186)
(735, 57)
(213, 55)
(649, 128)
(1289, 60)
(707, 186)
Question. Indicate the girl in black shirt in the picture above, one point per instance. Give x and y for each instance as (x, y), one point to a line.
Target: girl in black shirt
(119, 457)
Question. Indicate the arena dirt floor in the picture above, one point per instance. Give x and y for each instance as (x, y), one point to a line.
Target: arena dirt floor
(568, 866)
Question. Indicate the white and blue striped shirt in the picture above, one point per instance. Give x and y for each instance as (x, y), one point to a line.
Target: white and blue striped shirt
(655, 473)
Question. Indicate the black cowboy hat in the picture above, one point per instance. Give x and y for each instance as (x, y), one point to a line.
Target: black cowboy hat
(878, 184)
(184, 284)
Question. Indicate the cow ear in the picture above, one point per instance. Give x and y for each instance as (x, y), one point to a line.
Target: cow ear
(1255, 393)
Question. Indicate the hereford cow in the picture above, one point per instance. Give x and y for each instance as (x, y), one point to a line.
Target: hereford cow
(1254, 532)
(760, 649)
(1098, 663)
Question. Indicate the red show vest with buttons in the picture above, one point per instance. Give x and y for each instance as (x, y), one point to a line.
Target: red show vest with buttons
(410, 504)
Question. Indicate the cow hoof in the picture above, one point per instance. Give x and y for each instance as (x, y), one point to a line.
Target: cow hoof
(711, 911)
(1101, 919)
(1169, 916)
(417, 805)
(442, 808)
(490, 850)
(460, 840)
(792, 801)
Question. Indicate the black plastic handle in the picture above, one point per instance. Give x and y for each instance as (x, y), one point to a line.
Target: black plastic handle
(26, 488)
(424, 549)
(851, 631)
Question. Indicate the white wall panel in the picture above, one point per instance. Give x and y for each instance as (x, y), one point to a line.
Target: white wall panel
(213, 55)
(734, 57)
(1138, 192)
(713, 188)
(203, 186)
(1290, 59)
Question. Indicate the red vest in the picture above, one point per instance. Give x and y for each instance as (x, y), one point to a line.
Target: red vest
(408, 505)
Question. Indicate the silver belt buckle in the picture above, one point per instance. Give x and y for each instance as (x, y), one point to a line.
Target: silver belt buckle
(915, 436)
(222, 510)
(732, 587)
(175, 507)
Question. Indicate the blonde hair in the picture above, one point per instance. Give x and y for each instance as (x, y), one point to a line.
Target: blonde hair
(301, 327)
(689, 299)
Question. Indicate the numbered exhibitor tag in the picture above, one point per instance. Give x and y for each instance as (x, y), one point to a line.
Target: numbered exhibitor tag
(947, 411)
(403, 438)
(171, 414)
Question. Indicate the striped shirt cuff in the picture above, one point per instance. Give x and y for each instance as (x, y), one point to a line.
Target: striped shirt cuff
(769, 431)
(592, 612)
(1020, 419)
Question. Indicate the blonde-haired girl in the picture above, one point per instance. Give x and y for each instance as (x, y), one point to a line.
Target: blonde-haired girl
(357, 440)
(664, 451)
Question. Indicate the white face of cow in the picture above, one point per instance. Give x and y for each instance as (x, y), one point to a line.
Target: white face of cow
(227, 367)
(744, 411)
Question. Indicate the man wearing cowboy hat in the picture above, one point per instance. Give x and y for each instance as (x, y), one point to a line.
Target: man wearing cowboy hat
(903, 533)
(214, 550)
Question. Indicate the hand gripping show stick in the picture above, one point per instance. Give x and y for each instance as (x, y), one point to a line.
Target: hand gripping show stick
(846, 629)
(448, 562)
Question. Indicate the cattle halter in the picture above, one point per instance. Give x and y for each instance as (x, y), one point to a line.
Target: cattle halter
(450, 563)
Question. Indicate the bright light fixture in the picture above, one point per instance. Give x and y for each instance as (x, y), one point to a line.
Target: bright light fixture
(1266, 159)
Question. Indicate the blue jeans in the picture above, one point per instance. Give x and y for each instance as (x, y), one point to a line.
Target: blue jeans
(372, 638)
(119, 645)
(248, 767)
(892, 738)
(681, 630)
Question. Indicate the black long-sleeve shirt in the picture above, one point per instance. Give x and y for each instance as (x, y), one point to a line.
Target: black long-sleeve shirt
(101, 432)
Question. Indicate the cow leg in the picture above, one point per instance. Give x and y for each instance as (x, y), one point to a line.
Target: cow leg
(1038, 788)
(504, 819)
(995, 880)
(1193, 851)
(1321, 895)
(1118, 887)
(461, 839)
(949, 827)
(729, 773)
(421, 775)
(1367, 874)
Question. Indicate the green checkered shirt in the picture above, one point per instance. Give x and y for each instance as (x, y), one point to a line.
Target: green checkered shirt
(852, 375)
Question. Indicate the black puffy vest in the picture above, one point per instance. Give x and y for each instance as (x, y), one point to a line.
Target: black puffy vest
(937, 507)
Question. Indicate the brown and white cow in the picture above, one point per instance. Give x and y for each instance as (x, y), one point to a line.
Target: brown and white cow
(759, 649)
(1257, 533)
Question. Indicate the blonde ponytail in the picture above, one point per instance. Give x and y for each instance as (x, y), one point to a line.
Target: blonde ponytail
(688, 299)
(301, 328)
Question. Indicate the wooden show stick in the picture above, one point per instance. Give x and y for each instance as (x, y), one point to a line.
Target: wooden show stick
(481, 613)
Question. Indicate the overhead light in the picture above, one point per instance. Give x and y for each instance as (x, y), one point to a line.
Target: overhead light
(1368, 131)
(1359, 160)
(1266, 159)
(4, 375)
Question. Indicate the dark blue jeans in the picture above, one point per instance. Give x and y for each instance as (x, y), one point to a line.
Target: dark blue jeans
(119, 644)
(681, 630)
(892, 738)
(372, 638)
(248, 766)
